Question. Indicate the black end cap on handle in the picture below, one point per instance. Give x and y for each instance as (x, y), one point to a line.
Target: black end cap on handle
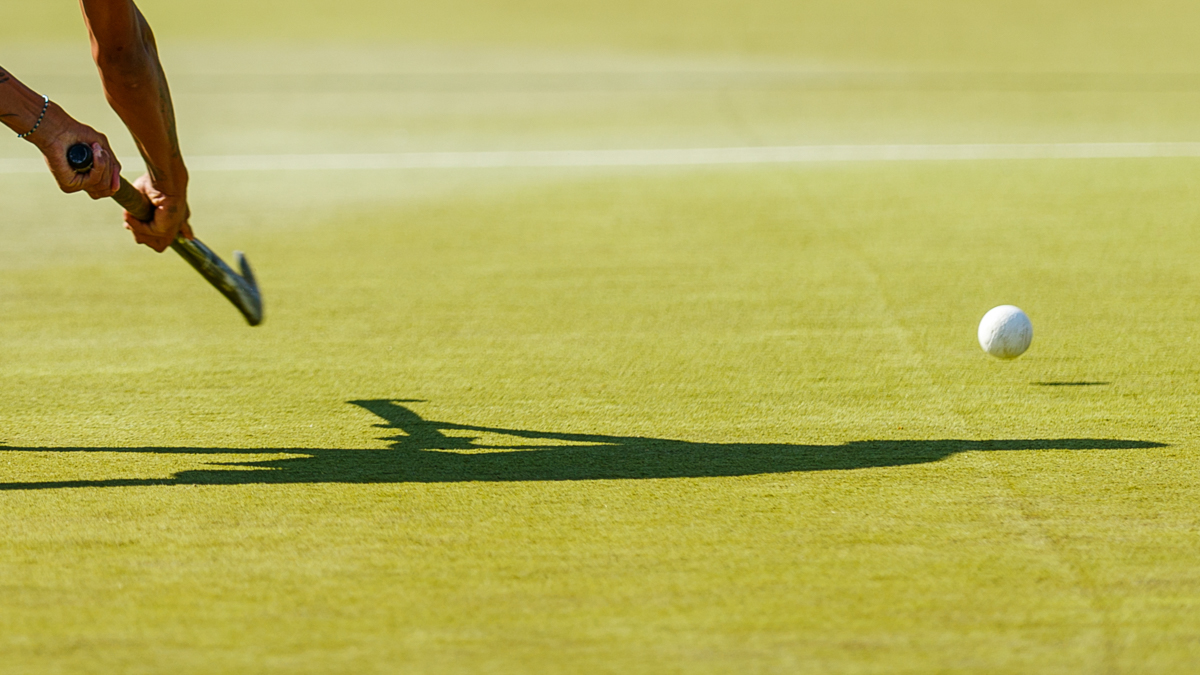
(79, 157)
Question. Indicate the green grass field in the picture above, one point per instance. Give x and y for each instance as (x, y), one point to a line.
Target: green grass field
(638, 420)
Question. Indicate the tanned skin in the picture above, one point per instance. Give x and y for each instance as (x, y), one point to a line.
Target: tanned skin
(134, 84)
(19, 110)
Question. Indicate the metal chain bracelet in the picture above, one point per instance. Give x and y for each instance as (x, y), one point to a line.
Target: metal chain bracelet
(45, 107)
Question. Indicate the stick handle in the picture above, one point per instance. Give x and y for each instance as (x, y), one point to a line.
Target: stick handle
(80, 158)
(133, 201)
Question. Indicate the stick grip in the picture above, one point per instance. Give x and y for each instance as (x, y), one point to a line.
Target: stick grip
(79, 156)
(134, 202)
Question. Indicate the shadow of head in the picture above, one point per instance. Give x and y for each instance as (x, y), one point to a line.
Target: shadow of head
(426, 452)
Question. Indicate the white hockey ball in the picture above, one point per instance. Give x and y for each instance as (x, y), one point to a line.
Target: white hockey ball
(1005, 332)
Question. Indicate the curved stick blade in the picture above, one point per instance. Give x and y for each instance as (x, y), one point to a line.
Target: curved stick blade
(240, 289)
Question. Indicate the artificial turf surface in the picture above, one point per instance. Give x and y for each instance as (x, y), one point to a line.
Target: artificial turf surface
(700, 419)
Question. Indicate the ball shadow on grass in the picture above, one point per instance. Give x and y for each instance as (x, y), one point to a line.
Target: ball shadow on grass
(425, 454)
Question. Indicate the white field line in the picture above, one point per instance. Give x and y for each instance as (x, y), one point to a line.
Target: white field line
(795, 154)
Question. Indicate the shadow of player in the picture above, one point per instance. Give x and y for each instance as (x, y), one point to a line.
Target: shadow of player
(423, 453)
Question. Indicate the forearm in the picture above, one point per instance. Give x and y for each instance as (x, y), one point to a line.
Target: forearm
(20, 106)
(136, 87)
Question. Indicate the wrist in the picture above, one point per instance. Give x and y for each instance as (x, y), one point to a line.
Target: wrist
(27, 114)
(173, 181)
(46, 135)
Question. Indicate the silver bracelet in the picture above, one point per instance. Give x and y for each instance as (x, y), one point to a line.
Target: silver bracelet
(45, 107)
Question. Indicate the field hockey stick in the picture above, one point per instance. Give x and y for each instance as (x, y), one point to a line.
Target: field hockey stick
(240, 289)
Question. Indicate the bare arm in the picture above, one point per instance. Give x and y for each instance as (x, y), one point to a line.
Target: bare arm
(19, 105)
(52, 130)
(126, 55)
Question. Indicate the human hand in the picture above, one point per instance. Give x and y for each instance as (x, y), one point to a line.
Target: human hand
(60, 131)
(171, 215)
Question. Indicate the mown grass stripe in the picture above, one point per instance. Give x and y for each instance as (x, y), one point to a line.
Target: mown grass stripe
(796, 154)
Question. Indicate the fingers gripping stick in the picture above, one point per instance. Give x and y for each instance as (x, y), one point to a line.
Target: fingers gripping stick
(240, 289)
